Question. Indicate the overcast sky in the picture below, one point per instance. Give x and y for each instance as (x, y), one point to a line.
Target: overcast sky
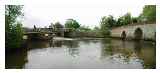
(86, 12)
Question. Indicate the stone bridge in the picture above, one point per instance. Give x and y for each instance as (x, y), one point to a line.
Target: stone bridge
(45, 33)
(143, 31)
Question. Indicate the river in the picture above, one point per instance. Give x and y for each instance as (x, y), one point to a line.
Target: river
(84, 54)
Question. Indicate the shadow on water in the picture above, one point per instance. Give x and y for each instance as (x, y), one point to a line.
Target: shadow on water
(16, 59)
(37, 44)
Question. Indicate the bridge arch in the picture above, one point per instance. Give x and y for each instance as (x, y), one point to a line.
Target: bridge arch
(138, 33)
(123, 35)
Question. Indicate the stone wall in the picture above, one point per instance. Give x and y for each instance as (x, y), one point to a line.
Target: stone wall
(82, 34)
(148, 31)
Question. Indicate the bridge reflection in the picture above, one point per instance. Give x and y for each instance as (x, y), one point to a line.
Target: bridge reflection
(126, 51)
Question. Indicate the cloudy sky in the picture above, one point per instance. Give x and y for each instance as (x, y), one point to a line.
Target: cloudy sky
(86, 12)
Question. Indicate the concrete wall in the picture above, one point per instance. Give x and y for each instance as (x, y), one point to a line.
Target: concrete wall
(149, 31)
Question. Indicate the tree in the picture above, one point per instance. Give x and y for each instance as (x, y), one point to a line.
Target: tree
(106, 24)
(51, 26)
(134, 20)
(84, 28)
(127, 18)
(13, 29)
(124, 20)
(148, 14)
(58, 26)
(96, 28)
(108, 21)
(120, 21)
(71, 23)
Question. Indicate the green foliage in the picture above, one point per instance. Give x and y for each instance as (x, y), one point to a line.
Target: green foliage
(15, 37)
(148, 14)
(120, 21)
(58, 25)
(135, 19)
(71, 23)
(96, 29)
(127, 18)
(108, 21)
(105, 31)
(13, 29)
(84, 28)
(106, 24)
(12, 12)
(124, 20)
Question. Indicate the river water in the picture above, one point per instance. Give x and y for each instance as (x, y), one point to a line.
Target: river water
(84, 53)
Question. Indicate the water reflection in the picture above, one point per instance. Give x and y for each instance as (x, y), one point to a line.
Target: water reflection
(128, 52)
(37, 44)
(146, 53)
(104, 53)
(137, 46)
(56, 43)
(16, 60)
(72, 48)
